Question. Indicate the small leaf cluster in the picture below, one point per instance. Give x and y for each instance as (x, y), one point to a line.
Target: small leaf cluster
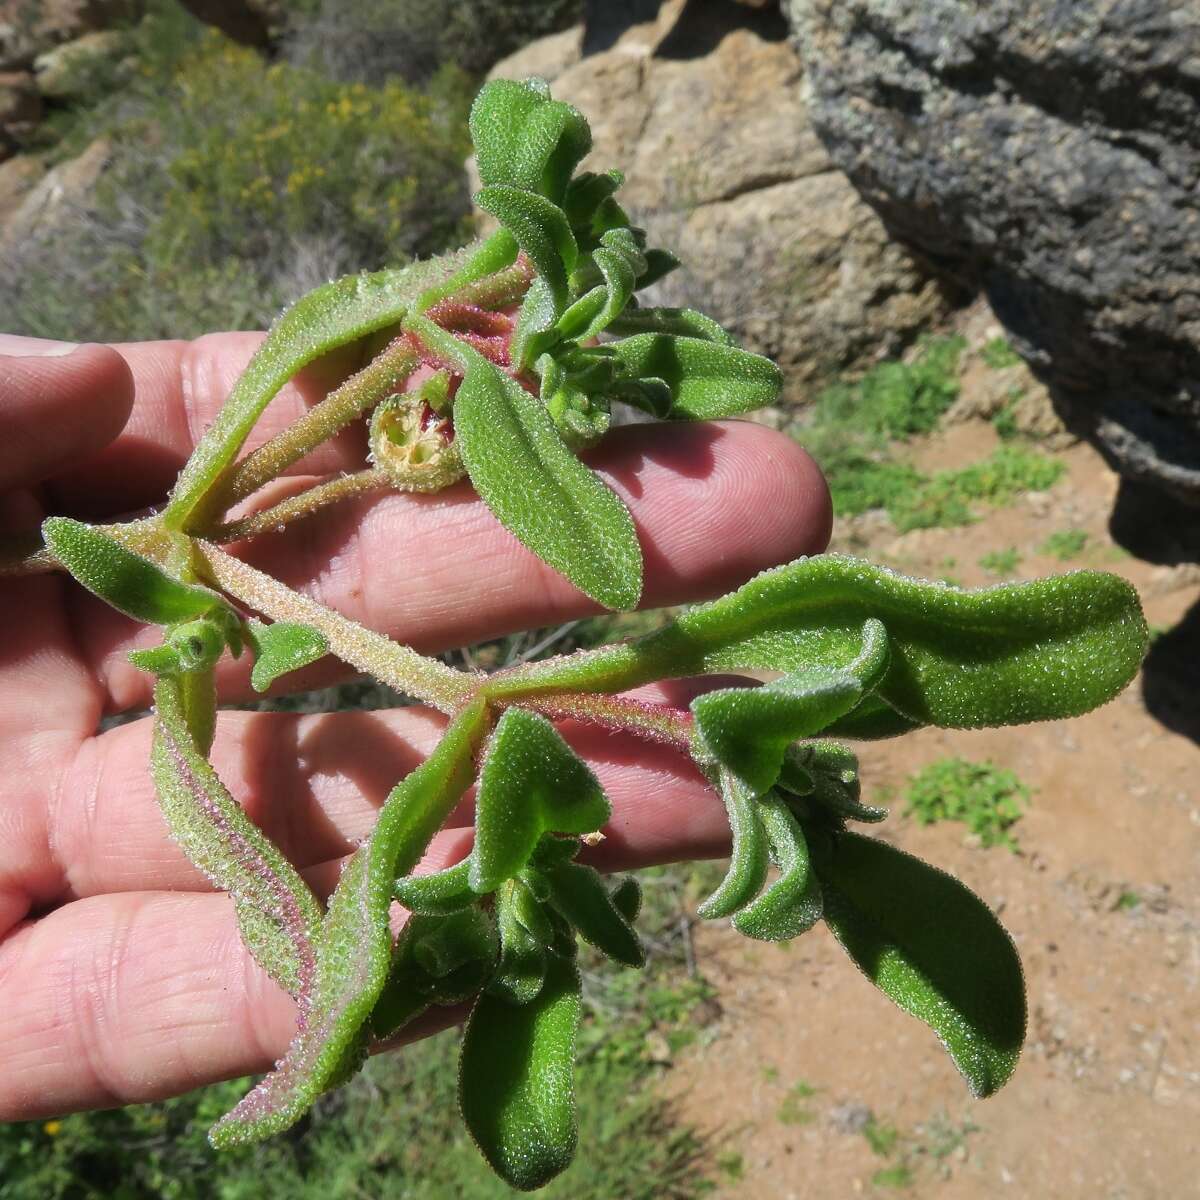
(513, 381)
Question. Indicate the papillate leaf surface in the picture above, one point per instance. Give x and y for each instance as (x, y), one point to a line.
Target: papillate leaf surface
(933, 947)
(355, 947)
(750, 856)
(531, 783)
(131, 584)
(328, 317)
(750, 729)
(578, 892)
(516, 1079)
(707, 379)
(792, 904)
(282, 647)
(541, 230)
(541, 493)
(279, 917)
(1003, 655)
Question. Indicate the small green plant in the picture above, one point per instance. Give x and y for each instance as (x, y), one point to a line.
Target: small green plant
(1065, 545)
(1001, 562)
(512, 384)
(1127, 901)
(989, 800)
(794, 1110)
(998, 354)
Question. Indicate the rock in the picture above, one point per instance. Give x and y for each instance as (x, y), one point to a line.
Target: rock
(1050, 153)
(31, 27)
(20, 108)
(703, 108)
(66, 72)
(17, 178)
(251, 22)
(59, 190)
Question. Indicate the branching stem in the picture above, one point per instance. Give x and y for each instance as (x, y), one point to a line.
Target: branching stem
(301, 505)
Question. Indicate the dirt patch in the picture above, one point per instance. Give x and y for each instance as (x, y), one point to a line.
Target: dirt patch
(813, 1085)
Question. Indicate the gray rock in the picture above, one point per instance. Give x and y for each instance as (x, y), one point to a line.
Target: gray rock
(67, 71)
(702, 105)
(1050, 152)
(20, 109)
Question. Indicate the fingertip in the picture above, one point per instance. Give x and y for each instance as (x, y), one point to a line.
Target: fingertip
(59, 409)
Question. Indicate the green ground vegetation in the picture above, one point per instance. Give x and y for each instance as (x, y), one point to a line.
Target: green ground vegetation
(988, 799)
(857, 431)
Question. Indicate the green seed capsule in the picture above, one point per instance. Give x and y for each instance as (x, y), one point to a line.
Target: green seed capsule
(415, 445)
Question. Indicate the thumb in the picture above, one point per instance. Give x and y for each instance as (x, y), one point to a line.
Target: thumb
(59, 404)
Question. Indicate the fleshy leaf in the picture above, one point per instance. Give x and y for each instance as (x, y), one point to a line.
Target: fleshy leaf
(278, 915)
(131, 584)
(1003, 655)
(516, 1079)
(522, 969)
(579, 894)
(935, 948)
(439, 893)
(535, 331)
(832, 776)
(627, 898)
(792, 904)
(524, 139)
(541, 230)
(684, 322)
(354, 954)
(659, 263)
(707, 379)
(531, 783)
(541, 493)
(750, 729)
(328, 317)
(282, 647)
(748, 863)
(872, 720)
(438, 960)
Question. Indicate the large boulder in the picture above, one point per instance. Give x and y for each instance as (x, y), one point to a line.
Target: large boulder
(1049, 152)
(702, 105)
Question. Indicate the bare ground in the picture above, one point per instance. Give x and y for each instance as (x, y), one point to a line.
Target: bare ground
(813, 1085)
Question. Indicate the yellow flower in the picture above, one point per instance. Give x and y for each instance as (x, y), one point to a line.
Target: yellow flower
(53, 1128)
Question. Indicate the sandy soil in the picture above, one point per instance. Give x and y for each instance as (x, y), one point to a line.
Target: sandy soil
(807, 1065)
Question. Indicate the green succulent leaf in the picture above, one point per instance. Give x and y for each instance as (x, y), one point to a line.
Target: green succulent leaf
(438, 894)
(627, 898)
(792, 904)
(531, 783)
(278, 915)
(541, 230)
(659, 263)
(327, 318)
(524, 139)
(748, 863)
(679, 322)
(535, 331)
(283, 647)
(831, 770)
(1003, 655)
(541, 493)
(522, 969)
(516, 1080)
(584, 195)
(750, 729)
(934, 948)
(579, 894)
(872, 720)
(707, 379)
(131, 584)
(438, 960)
(355, 948)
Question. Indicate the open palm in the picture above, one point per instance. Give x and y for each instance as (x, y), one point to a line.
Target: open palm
(123, 977)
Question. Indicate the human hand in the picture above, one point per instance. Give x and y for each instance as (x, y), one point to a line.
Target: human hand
(123, 977)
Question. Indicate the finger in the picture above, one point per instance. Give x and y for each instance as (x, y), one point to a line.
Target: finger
(60, 405)
(315, 785)
(179, 388)
(714, 505)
